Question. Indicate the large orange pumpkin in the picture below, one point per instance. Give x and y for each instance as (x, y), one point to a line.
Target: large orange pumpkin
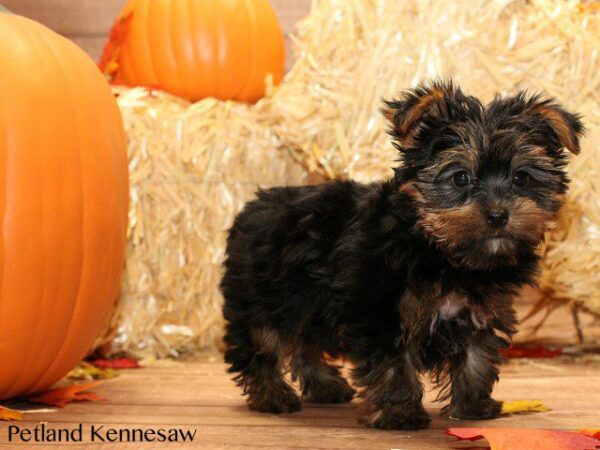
(63, 205)
(197, 48)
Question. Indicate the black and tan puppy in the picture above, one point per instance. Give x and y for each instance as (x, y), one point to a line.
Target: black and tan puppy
(401, 277)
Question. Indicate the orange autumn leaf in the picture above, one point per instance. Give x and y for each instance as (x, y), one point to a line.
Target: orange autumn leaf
(10, 414)
(60, 397)
(531, 439)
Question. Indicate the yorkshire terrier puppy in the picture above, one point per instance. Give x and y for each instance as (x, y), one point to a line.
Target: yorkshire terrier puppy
(402, 277)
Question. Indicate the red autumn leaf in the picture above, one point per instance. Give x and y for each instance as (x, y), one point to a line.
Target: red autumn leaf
(60, 397)
(531, 439)
(117, 363)
(10, 414)
(591, 432)
(522, 351)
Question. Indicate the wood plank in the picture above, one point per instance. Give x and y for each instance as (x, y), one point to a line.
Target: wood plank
(69, 17)
(201, 397)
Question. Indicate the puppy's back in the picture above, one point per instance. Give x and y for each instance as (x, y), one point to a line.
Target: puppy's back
(283, 238)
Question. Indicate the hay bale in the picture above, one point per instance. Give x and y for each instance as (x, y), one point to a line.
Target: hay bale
(192, 167)
(352, 54)
(571, 255)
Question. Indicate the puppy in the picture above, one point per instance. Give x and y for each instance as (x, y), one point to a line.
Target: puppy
(402, 277)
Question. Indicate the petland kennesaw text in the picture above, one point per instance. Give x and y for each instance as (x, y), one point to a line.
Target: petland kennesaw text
(97, 433)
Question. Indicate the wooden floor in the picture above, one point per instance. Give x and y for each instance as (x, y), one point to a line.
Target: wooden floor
(200, 396)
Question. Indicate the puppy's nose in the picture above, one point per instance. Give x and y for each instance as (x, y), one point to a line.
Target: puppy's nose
(497, 217)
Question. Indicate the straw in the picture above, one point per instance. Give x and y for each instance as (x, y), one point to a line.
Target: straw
(194, 166)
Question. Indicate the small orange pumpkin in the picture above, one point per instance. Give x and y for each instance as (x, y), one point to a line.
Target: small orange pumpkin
(63, 205)
(197, 48)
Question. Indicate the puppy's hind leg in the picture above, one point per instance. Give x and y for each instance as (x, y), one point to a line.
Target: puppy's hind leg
(320, 382)
(255, 355)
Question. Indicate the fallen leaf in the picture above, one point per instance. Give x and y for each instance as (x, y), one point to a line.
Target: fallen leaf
(87, 371)
(60, 397)
(519, 406)
(10, 414)
(117, 363)
(530, 439)
(524, 351)
(591, 432)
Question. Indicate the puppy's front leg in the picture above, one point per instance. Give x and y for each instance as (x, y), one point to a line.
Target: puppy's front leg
(473, 374)
(393, 393)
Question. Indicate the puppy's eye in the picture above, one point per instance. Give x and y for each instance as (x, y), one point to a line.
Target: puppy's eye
(461, 179)
(520, 178)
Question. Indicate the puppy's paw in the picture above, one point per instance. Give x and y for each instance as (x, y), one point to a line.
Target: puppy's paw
(397, 418)
(336, 391)
(277, 401)
(481, 410)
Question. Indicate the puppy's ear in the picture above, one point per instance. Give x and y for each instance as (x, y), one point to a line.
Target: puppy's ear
(408, 112)
(566, 127)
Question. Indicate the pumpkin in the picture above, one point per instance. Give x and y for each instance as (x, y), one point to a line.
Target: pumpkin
(63, 205)
(197, 48)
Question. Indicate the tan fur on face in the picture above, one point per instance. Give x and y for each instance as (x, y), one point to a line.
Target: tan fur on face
(453, 226)
(528, 219)
(450, 227)
(444, 225)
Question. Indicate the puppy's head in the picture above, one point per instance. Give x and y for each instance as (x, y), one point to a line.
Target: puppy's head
(488, 180)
